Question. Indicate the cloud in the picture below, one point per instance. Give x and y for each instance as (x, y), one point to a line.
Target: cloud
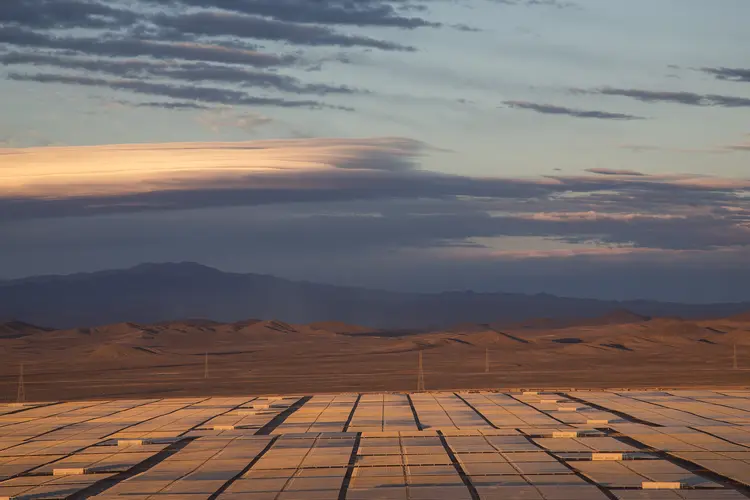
(592, 216)
(688, 98)
(721, 149)
(104, 170)
(217, 120)
(168, 105)
(201, 94)
(577, 113)
(729, 74)
(641, 148)
(133, 47)
(346, 168)
(381, 176)
(332, 12)
(192, 72)
(465, 28)
(567, 253)
(394, 239)
(162, 43)
(559, 4)
(652, 182)
(610, 171)
(739, 147)
(50, 14)
(224, 24)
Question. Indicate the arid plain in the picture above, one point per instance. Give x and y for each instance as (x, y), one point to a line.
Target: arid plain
(197, 357)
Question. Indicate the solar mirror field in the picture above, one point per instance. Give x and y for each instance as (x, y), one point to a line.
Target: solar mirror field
(578, 445)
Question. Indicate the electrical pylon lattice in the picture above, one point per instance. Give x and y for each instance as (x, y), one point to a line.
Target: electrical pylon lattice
(420, 377)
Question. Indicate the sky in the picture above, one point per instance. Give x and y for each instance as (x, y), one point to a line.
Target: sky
(587, 148)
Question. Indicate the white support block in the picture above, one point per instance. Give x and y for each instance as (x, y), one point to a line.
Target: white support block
(223, 427)
(246, 412)
(600, 421)
(260, 406)
(131, 442)
(656, 485)
(565, 434)
(548, 401)
(567, 408)
(69, 472)
(607, 456)
(530, 393)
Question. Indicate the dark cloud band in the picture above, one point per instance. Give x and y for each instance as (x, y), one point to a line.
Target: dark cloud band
(688, 98)
(730, 74)
(200, 94)
(611, 171)
(327, 12)
(197, 41)
(134, 47)
(548, 109)
(252, 27)
(192, 72)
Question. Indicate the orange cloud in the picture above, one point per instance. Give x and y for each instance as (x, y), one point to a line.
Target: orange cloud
(62, 172)
(570, 252)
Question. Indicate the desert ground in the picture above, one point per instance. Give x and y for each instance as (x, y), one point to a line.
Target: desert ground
(544, 410)
(198, 357)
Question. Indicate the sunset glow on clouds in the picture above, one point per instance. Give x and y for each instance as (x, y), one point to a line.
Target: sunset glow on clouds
(332, 181)
(408, 144)
(61, 172)
(126, 169)
(573, 251)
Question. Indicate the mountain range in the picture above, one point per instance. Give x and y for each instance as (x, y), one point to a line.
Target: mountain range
(151, 293)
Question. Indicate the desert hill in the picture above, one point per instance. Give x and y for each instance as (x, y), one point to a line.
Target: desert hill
(128, 359)
(15, 329)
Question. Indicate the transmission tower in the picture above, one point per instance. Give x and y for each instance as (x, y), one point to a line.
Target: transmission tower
(734, 357)
(21, 396)
(420, 376)
(487, 360)
(205, 366)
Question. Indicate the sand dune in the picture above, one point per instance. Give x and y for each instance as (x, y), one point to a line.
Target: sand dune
(340, 327)
(111, 352)
(618, 349)
(16, 329)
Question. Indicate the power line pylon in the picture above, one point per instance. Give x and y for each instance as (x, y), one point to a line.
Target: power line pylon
(734, 357)
(21, 396)
(205, 366)
(420, 376)
(487, 360)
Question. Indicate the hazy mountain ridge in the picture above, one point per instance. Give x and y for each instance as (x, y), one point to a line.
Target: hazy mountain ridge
(152, 293)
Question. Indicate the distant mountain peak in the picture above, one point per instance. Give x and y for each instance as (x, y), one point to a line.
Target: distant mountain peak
(158, 292)
(181, 267)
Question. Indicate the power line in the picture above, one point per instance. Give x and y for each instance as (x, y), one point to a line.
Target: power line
(420, 376)
(21, 396)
